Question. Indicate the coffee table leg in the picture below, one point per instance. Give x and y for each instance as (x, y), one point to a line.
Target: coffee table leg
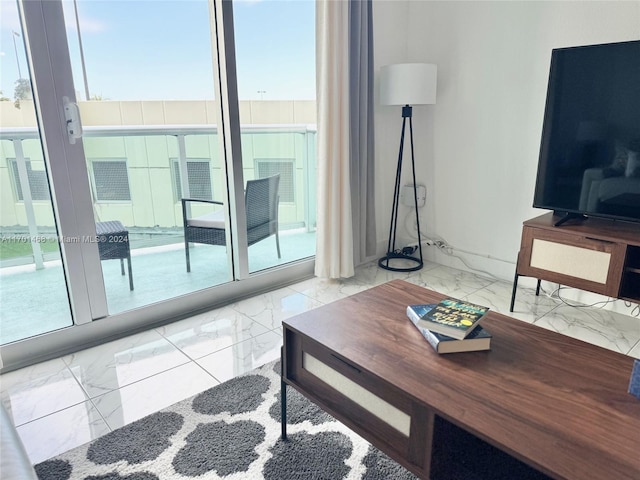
(283, 408)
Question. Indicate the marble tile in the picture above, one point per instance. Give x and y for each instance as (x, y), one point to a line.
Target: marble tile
(132, 402)
(119, 363)
(271, 308)
(449, 281)
(606, 329)
(209, 332)
(61, 431)
(366, 276)
(576, 296)
(528, 307)
(243, 357)
(328, 290)
(23, 391)
(371, 274)
(635, 351)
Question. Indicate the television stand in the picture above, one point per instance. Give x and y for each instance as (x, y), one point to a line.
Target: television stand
(570, 216)
(599, 256)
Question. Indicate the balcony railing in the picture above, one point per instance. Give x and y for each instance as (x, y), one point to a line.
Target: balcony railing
(139, 173)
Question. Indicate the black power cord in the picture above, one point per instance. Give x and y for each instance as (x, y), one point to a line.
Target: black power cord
(408, 250)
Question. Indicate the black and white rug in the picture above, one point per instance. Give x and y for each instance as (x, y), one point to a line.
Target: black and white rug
(231, 432)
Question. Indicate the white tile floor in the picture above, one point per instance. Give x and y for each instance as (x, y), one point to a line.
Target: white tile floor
(63, 403)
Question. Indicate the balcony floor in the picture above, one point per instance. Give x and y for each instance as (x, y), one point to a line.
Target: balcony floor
(35, 301)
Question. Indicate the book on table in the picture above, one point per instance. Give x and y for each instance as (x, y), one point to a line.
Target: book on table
(453, 318)
(479, 338)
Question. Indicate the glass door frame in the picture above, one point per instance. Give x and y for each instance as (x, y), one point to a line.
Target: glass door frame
(65, 158)
(229, 126)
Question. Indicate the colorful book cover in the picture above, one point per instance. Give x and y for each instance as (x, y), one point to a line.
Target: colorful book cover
(452, 317)
(478, 339)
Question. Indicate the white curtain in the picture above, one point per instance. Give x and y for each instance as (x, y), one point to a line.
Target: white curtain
(346, 218)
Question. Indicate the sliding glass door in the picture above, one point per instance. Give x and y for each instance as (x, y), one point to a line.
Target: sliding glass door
(31, 271)
(275, 41)
(151, 156)
(145, 76)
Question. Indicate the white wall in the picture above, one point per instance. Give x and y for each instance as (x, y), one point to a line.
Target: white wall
(477, 148)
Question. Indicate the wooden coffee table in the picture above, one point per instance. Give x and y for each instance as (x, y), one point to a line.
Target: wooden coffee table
(538, 405)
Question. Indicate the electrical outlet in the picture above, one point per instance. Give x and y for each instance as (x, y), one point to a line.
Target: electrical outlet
(406, 195)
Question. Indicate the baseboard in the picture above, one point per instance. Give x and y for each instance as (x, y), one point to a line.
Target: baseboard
(482, 265)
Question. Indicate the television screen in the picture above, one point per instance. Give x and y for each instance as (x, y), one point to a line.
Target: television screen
(589, 160)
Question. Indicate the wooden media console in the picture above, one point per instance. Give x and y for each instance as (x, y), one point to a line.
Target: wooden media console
(596, 255)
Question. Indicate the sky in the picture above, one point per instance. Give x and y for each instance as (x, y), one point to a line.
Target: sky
(161, 49)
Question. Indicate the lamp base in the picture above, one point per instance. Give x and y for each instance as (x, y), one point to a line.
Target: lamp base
(384, 262)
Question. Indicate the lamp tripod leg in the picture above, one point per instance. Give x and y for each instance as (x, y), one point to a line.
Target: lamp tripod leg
(415, 191)
(393, 227)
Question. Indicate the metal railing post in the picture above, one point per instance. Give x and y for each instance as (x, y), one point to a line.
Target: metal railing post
(27, 199)
(184, 171)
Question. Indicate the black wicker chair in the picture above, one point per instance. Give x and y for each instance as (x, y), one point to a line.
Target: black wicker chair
(261, 199)
(113, 243)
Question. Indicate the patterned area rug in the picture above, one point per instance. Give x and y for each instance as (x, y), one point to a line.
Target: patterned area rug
(231, 432)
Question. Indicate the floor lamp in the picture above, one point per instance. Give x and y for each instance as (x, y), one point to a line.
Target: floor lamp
(405, 84)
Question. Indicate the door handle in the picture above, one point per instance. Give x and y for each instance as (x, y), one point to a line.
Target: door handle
(72, 116)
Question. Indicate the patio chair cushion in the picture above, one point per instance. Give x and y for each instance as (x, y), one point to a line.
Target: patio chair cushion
(261, 202)
(209, 220)
(113, 240)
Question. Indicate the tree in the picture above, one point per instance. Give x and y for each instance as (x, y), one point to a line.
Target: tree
(22, 91)
(3, 98)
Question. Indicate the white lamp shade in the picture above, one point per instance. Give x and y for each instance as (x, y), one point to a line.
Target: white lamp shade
(408, 84)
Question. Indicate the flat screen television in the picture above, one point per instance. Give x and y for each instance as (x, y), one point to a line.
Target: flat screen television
(589, 163)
